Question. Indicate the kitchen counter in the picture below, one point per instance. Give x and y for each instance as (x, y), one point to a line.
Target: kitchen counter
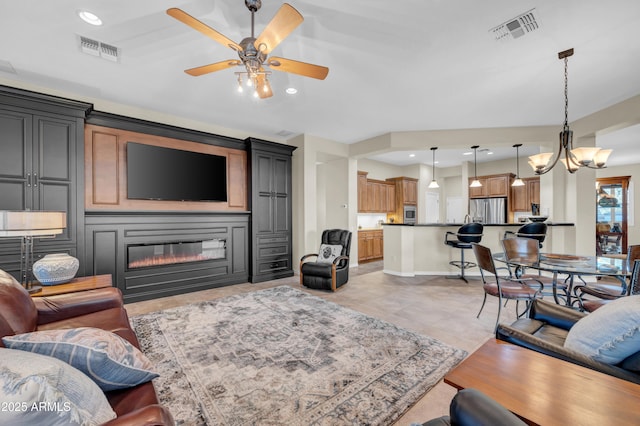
(411, 250)
(486, 224)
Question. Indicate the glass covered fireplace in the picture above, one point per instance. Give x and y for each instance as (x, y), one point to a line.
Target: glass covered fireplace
(161, 254)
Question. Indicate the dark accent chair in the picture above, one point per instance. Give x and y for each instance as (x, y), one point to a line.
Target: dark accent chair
(467, 234)
(470, 407)
(534, 230)
(328, 276)
(502, 288)
(545, 331)
(604, 291)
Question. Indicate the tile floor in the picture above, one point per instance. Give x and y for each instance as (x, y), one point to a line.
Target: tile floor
(441, 308)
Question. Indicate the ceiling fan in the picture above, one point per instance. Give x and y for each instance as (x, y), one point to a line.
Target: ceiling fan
(253, 52)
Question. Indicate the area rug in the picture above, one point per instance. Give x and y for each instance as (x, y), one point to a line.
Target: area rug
(281, 356)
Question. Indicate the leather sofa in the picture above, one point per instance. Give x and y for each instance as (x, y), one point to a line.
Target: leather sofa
(470, 407)
(546, 330)
(100, 308)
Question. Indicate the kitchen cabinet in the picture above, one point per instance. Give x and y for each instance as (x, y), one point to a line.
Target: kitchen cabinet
(406, 193)
(492, 186)
(375, 196)
(523, 196)
(370, 245)
(271, 230)
(41, 167)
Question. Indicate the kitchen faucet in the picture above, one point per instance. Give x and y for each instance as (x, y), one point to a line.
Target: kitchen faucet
(467, 218)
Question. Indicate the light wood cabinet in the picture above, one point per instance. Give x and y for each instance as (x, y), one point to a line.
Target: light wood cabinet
(375, 196)
(370, 245)
(492, 186)
(523, 196)
(406, 193)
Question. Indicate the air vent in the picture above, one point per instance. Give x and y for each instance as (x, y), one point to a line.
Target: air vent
(285, 133)
(96, 48)
(516, 27)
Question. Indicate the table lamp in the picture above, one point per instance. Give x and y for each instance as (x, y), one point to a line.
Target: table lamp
(26, 225)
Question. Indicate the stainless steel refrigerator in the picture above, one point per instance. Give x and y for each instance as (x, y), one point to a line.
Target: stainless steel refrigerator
(488, 210)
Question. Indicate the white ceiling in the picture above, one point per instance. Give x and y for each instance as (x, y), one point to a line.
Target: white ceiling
(394, 65)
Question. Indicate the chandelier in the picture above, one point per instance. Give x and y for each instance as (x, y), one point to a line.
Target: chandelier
(572, 158)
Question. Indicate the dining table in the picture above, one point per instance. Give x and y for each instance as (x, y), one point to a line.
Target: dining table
(574, 267)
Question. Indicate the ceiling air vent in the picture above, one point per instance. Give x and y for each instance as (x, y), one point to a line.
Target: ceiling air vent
(96, 48)
(516, 27)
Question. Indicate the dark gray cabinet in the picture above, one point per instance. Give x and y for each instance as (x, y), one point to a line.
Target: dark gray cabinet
(271, 231)
(41, 166)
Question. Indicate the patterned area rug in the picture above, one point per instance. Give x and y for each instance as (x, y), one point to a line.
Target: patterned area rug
(283, 357)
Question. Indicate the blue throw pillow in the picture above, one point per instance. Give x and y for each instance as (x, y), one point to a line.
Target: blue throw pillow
(108, 359)
(609, 334)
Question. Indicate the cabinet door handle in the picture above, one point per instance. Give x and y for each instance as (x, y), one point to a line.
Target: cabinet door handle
(35, 180)
(28, 180)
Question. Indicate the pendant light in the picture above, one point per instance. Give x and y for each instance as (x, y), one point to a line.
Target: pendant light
(475, 183)
(434, 183)
(574, 158)
(518, 181)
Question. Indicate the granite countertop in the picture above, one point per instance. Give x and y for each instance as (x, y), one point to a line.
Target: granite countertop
(486, 224)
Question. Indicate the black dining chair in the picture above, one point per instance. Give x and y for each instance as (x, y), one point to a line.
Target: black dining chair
(467, 234)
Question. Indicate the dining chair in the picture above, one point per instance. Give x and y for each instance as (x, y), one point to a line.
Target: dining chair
(527, 251)
(502, 288)
(606, 290)
(590, 305)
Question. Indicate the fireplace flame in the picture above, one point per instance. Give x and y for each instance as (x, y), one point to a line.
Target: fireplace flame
(168, 260)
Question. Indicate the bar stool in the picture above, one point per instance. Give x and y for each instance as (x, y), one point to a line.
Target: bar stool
(467, 234)
(534, 230)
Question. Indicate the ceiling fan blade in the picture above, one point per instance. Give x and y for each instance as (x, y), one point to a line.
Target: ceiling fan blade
(189, 20)
(283, 23)
(218, 66)
(263, 87)
(297, 67)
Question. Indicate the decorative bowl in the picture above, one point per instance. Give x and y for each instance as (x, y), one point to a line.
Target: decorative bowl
(538, 218)
(57, 268)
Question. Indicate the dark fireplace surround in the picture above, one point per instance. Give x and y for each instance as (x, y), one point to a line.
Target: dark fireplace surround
(157, 255)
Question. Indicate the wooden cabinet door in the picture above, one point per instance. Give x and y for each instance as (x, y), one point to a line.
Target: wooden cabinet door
(15, 160)
(533, 188)
(520, 198)
(498, 186)
(410, 190)
(391, 198)
(362, 193)
(479, 191)
(376, 245)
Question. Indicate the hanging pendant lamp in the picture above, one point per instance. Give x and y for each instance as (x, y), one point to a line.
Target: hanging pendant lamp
(518, 181)
(475, 183)
(433, 184)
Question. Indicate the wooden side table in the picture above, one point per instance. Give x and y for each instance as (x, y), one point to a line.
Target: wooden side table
(75, 285)
(543, 390)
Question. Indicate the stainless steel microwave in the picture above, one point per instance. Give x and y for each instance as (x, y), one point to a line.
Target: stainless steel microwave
(409, 215)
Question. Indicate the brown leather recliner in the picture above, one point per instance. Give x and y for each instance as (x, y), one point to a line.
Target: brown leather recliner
(102, 308)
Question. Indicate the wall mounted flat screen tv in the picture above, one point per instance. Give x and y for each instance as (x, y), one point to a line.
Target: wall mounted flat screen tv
(159, 173)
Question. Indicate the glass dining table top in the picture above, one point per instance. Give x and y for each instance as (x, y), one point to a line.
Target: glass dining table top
(573, 265)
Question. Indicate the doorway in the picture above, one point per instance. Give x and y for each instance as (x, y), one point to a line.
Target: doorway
(611, 215)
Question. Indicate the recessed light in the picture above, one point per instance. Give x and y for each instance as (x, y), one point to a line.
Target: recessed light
(89, 18)
(412, 155)
(468, 153)
(291, 90)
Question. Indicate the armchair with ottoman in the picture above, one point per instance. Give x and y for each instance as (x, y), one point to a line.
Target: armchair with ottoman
(606, 340)
(73, 359)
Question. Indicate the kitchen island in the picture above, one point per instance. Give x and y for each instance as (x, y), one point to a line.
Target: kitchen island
(411, 250)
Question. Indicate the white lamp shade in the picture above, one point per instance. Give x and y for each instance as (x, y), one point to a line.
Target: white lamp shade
(601, 157)
(433, 184)
(540, 161)
(571, 167)
(584, 155)
(31, 223)
(475, 184)
(518, 182)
